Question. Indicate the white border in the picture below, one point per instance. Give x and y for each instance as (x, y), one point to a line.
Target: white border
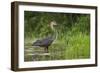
(23, 64)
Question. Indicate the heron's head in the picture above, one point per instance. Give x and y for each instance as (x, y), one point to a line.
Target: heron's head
(53, 24)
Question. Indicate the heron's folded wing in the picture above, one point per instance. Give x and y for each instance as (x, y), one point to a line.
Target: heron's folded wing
(37, 43)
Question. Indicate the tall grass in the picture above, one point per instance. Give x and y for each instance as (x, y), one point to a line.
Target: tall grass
(69, 47)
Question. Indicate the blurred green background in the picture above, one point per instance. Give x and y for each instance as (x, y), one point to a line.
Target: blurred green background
(73, 40)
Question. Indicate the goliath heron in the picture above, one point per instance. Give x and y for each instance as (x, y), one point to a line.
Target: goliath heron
(46, 42)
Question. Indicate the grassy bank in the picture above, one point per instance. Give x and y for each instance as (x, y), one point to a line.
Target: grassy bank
(69, 47)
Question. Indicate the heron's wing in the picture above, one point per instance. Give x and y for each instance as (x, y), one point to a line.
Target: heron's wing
(37, 43)
(47, 41)
(44, 42)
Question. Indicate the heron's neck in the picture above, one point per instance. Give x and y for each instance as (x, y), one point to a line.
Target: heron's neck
(55, 35)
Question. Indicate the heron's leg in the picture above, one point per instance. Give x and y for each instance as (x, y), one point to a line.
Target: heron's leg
(46, 49)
